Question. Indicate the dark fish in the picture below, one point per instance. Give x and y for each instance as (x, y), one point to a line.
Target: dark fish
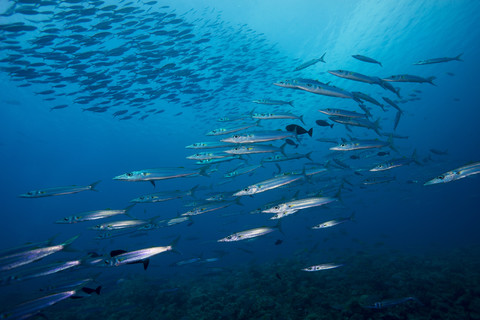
(323, 123)
(354, 156)
(278, 276)
(278, 242)
(291, 142)
(439, 152)
(382, 153)
(298, 129)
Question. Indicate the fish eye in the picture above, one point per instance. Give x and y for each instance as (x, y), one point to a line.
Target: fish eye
(309, 84)
(30, 193)
(441, 177)
(229, 237)
(141, 198)
(129, 174)
(276, 207)
(246, 189)
(65, 219)
(236, 136)
(343, 145)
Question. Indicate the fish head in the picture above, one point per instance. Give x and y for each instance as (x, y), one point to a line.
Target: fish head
(341, 147)
(443, 178)
(236, 138)
(247, 191)
(379, 167)
(67, 220)
(141, 199)
(196, 145)
(31, 194)
(132, 176)
(277, 209)
(230, 238)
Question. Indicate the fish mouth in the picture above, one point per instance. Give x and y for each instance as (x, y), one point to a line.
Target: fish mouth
(120, 177)
(429, 183)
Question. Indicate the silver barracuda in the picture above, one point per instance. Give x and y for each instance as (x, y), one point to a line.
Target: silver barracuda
(22, 258)
(228, 130)
(279, 115)
(257, 148)
(217, 160)
(269, 184)
(310, 63)
(164, 196)
(40, 271)
(94, 215)
(359, 145)
(212, 206)
(136, 256)
(366, 97)
(120, 225)
(342, 113)
(378, 180)
(366, 59)
(57, 191)
(326, 90)
(249, 234)
(438, 60)
(355, 76)
(456, 174)
(394, 163)
(242, 170)
(208, 145)
(409, 78)
(287, 157)
(31, 308)
(273, 102)
(333, 223)
(321, 267)
(152, 175)
(300, 204)
(260, 136)
(207, 156)
(232, 118)
(358, 122)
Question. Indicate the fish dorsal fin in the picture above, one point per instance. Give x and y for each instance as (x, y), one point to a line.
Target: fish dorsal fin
(117, 252)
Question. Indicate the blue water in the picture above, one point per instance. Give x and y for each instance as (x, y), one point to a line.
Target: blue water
(251, 45)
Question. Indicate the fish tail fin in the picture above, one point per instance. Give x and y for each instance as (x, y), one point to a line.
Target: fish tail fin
(415, 158)
(94, 184)
(191, 192)
(257, 123)
(279, 226)
(291, 103)
(97, 290)
(308, 156)
(128, 208)
(323, 56)
(338, 195)
(331, 126)
(397, 92)
(430, 80)
(145, 263)
(310, 132)
(203, 171)
(301, 119)
(352, 217)
(459, 57)
(397, 119)
(380, 64)
(390, 143)
(173, 245)
(237, 201)
(282, 148)
(278, 167)
(66, 245)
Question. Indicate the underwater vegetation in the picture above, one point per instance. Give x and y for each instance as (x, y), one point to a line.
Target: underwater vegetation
(440, 285)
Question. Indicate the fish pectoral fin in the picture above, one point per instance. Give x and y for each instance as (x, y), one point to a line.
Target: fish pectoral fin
(152, 182)
(145, 264)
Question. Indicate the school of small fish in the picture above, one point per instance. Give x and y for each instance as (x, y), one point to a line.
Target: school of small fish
(121, 58)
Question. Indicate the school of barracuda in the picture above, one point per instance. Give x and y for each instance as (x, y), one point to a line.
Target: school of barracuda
(121, 58)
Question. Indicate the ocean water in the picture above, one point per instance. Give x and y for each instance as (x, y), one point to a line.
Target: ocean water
(95, 89)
